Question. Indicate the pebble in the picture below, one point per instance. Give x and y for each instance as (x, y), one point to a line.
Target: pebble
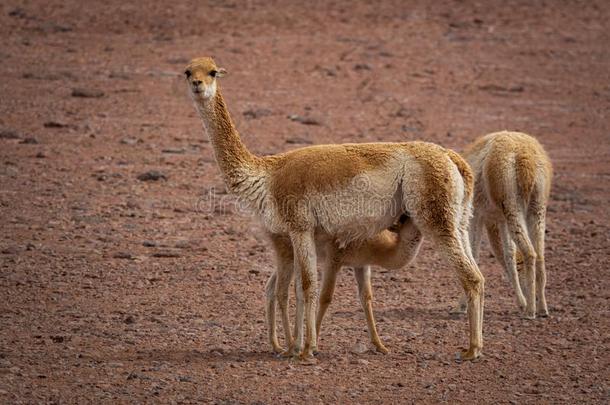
(359, 348)
(298, 140)
(10, 250)
(182, 244)
(130, 141)
(87, 93)
(122, 255)
(29, 141)
(362, 66)
(9, 134)
(176, 151)
(304, 120)
(256, 113)
(166, 253)
(54, 124)
(152, 175)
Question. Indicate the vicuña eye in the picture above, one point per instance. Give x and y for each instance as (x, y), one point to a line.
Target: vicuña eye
(187, 73)
(213, 73)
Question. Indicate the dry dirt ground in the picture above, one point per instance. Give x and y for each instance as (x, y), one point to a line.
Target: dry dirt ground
(120, 289)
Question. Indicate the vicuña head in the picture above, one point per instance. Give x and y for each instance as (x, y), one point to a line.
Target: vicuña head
(201, 73)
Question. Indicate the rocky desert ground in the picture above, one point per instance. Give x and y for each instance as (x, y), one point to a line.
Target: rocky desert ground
(129, 275)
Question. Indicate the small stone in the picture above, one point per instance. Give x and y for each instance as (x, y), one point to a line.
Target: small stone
(298, 140)
(305, 120)
(149, 243)
(359, 348)
(87, 93)
(152, 175)
(57, 339)
(54, 124)
(10, 250)
(17, 12)
(257, 113)
(123, 255)
(130, 141)
(41, 155)
(254, 271)
(29, 141)
(9, 134)
(362, 66)
(166, 253)
(177, 151)
(182, 244)
(129, 320)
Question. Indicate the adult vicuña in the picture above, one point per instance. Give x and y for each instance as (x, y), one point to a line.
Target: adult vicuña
(512, 186)
(392, 250)
(317, 192)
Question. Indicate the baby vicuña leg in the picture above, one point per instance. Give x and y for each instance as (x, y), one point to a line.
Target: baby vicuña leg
(328, 289)
(365, 292)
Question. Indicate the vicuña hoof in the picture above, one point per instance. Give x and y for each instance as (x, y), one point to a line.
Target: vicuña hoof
(459, 310)
(469, 355)
(543, 313)
(277, 349)
(381, 348)
(529, 315)
(308, 352)
(290, 352)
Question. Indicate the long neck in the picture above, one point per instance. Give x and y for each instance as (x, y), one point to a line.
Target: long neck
(231, 154)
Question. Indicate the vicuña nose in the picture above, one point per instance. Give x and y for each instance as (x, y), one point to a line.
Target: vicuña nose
(196, 82)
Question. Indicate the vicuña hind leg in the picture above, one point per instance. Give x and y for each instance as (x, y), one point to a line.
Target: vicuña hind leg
(365, 292)
(473, 283)
(504, 251)
(519, 233)
(536, 225)
(474, 237)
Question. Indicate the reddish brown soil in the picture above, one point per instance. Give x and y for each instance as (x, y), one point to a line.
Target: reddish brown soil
(113, 288)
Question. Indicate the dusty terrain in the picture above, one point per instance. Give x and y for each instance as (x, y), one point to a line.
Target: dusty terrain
(120, 289)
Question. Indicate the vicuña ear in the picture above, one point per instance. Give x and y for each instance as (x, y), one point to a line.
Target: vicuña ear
(220, 72)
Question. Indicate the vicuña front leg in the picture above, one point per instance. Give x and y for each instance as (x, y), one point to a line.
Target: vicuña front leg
(283, 277)
(270, 313)
(307, 287)
(365, 292)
